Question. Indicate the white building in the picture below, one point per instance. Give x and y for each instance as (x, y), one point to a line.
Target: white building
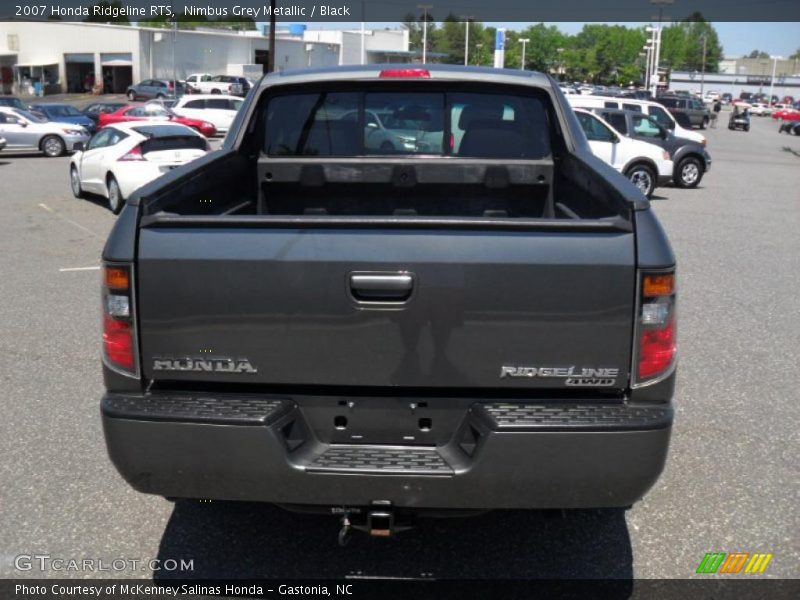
(379, 45)
(68, 57)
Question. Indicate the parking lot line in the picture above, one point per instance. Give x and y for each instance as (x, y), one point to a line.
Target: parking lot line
(70, 221)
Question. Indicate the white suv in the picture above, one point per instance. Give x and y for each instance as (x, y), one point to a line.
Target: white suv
(646, 165)
(653, 109)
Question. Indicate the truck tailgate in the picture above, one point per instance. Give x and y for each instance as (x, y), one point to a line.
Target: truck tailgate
(417, 308)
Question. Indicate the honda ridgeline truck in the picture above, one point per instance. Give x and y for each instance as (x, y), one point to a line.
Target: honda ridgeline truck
(481, 316)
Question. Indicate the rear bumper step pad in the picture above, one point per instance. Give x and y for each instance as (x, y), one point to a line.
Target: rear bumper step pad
(574, 417)
(381, 459)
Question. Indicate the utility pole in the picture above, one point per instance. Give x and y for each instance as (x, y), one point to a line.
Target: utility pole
(523, 41)
(363, 34)
(272, 20)
(174, 65)
(466, 39)
(425, 8)
(703, 68)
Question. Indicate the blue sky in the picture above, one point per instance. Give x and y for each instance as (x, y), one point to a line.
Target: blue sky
(779, 39)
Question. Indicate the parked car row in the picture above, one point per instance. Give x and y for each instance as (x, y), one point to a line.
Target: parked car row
(643, 141)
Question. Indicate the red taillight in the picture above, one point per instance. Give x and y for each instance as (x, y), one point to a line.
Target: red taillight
(408, 73)
(656, 350)
(170, 86)
(134, 153)
(118, 342)
(119, 347)
(657, 326)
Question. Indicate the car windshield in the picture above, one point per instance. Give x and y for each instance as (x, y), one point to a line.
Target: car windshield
(29, 116)
(60, 110)
(13, 102)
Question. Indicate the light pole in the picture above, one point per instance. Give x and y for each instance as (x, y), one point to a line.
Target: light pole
(703, 68)
(661, 4)
(523, 41)
(772, 79)
(466, 38)
(648, 48)
(425, 8)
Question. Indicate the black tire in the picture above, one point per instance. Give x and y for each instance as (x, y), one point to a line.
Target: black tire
(75, 183)
(688, 172)
(131, 95)
(53, 146)
(115, 199)
(704, 124)
(387, 147)
(747, 128)
(215, 91)
(160, 96)
(643, 177)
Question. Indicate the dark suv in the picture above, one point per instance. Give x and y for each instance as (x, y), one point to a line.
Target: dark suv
(697, 112)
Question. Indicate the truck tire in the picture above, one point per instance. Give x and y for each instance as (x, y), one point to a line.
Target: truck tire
(115, 199)
(643, 177)
(160, 96)
(688, 173)
(53, 146)
(704, 124)
(216, 91)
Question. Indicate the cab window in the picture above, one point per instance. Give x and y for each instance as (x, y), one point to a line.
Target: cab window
(595, 131)
(646, 127)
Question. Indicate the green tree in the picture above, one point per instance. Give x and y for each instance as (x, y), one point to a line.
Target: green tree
(757, 54)
(796, 55)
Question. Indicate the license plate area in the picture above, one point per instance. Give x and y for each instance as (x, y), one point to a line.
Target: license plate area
(403, 421)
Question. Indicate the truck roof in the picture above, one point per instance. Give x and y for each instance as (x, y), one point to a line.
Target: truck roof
(437, 71)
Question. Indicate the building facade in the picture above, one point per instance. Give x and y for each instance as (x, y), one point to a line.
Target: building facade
(57, 57)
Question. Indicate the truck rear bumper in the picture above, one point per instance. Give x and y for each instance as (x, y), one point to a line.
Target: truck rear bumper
(501, 455)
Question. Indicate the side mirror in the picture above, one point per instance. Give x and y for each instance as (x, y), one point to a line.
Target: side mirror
(615, 139)
(22, 123)
(78, 147)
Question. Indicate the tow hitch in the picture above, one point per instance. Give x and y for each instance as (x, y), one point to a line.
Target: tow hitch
(379, 520)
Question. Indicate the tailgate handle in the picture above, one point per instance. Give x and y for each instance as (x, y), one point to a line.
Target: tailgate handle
(381, 287)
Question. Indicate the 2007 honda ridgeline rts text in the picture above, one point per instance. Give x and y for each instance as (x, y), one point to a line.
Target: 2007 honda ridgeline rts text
(393, 289)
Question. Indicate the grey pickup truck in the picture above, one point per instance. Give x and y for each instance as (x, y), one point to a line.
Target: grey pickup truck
(477, 315)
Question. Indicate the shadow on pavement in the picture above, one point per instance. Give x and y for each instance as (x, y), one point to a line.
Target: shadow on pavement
(250, 540)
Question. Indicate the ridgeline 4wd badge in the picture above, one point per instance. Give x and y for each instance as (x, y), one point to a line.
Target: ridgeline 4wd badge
(572, 376)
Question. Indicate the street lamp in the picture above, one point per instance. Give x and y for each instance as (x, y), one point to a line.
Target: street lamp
(772, 79)
(466, 38)
(523, 41)
(425, 8)
(703, 68)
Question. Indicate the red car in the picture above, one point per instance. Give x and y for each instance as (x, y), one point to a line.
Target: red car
(153, 112)
(787, 114)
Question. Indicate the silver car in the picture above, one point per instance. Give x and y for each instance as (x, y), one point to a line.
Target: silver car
(24, 130)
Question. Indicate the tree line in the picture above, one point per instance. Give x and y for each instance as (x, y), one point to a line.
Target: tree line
(599, 53)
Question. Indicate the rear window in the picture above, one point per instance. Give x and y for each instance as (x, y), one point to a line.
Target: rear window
(482, 125)
(159, 131)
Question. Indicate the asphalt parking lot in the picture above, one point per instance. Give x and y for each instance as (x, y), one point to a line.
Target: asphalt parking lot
(732, 479)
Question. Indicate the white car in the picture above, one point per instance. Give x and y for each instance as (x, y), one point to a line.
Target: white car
(648, 107)
(124, 156)
(645, 164)
(214, 108)
(23, 130)
(761, 109)
(205, 83)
